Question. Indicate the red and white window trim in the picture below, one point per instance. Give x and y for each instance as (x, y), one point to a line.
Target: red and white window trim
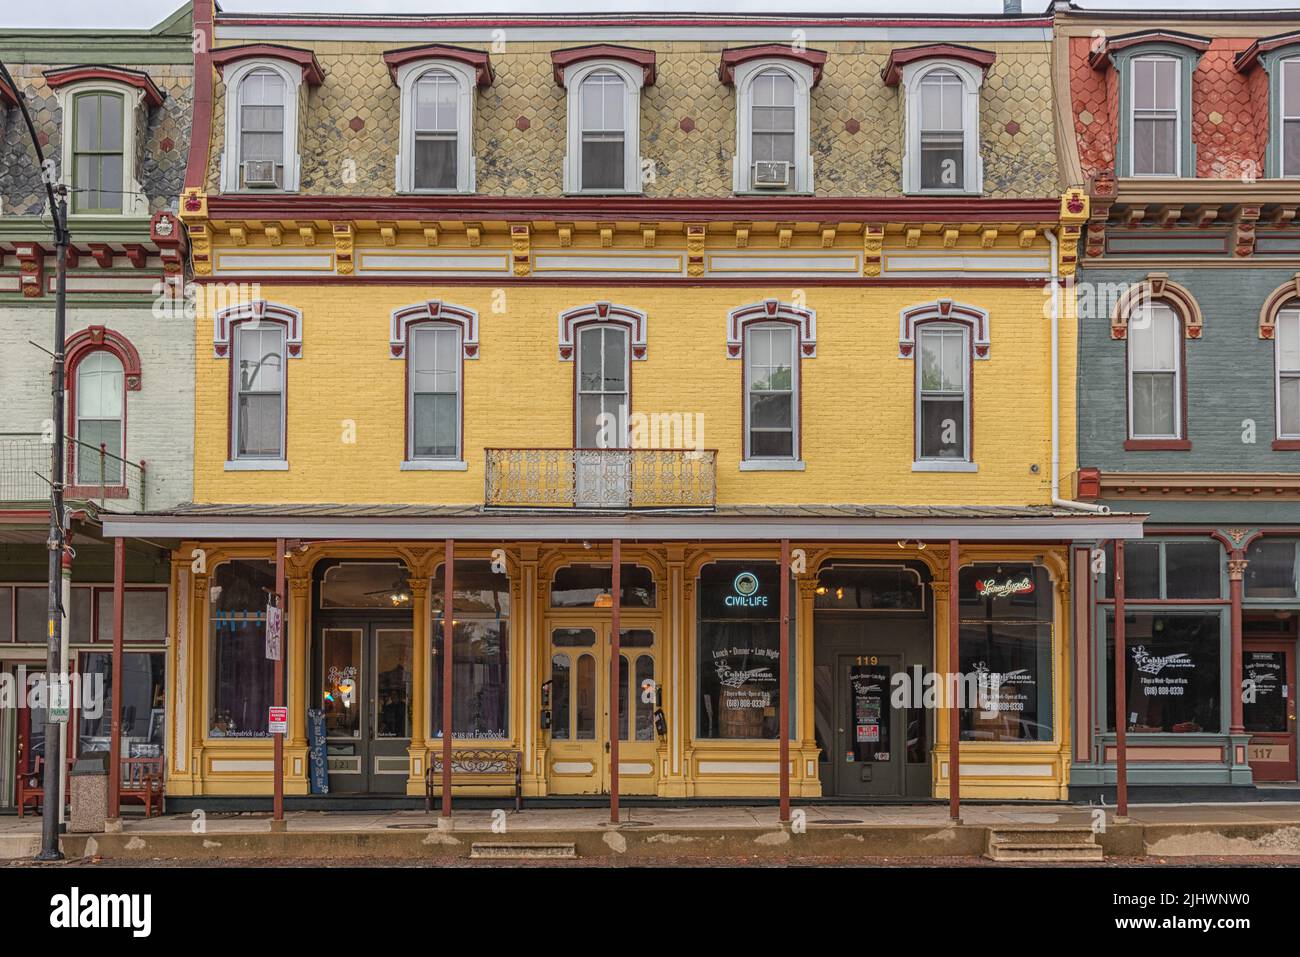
(633, 319)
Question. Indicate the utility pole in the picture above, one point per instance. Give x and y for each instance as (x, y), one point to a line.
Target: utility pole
(55, 679)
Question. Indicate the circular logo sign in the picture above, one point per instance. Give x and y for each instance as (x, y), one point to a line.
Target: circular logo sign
(746, 584)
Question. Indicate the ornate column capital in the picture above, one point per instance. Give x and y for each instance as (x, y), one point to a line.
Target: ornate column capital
(1237, 569)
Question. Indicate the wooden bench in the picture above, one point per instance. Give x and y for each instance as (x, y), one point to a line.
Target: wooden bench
(142, 780)
(30, 786)
(494, 761)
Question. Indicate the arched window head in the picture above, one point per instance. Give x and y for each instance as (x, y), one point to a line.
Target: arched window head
(99, 426)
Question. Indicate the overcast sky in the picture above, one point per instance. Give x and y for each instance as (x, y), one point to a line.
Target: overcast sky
(145, 13)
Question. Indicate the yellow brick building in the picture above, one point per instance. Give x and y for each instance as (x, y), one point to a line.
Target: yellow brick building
(755, 315)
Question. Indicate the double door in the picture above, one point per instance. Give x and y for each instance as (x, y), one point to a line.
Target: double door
(576, 715)
(364, 690)
(1269, 708)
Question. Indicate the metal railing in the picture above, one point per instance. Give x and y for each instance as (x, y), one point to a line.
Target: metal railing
(91, 473)
(601, 478)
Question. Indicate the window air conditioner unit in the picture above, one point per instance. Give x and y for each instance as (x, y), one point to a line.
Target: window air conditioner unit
(771, 174)
(259, 174)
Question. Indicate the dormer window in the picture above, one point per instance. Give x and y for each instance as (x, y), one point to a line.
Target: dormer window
(437, 84)
(104, 111)
(263, 86)
(941, 86)
(773, 90)
(604, 85)
(1288, 133)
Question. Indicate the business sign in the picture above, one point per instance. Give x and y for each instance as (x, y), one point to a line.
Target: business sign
(992, 588)
(745, 592)
(318, 766)
(274, 628)
(278, 719)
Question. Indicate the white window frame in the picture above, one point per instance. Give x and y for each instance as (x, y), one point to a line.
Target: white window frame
(292, 75)
(1283, 115)
(1291, 313)
(633, 80)
(246, 461)
(1177, 370)
(457, 457)
(408, 75)
(972, 79)
(922, 463)
(134, 202)
(745, 74)
(1131, 119)
(773, 462)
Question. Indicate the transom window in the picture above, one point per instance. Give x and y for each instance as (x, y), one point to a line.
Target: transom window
(772, 108)
(1155, 373)
(602, 387)
(943, 137)
(604, 132)
(261, 130)
(97, 153)
(771, 391)
(259, 390)
(1288, 373)
(435, 391)
(437, 105)
(100, 401)
(943, 392)
(1290, 117)
(1155, 116)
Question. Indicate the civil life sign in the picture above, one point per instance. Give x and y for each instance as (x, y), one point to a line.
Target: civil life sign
(278, 719)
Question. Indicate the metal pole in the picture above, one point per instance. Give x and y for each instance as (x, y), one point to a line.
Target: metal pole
(1121, 689)
(448, 607)
(278, 769)
(615, 656)
(954, 669)
(115, 743)
(783, 688)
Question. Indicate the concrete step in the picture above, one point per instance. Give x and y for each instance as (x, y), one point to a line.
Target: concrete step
(1040, 834)
(1045, 853)
(14, 847)
(521, 851)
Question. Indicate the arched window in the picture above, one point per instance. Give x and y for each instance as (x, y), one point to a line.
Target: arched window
(604, 117)
(942, 103)
(262, 130)
(1287, 366)
(1155, 372)
(100, 410)
(604, 131)
(1289, 117)
(1155, 118)
(436, 130)
(942, 135)
(434, 383)
(772, 126)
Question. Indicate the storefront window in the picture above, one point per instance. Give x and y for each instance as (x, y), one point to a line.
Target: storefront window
(590, 586)
(1172, 671)
(480, 700)
(869, 588)
(243, 678)
(1186, 568)
(1006, 643)
(142, 704)
(144, 614)
(1271, 568)
(738, 637)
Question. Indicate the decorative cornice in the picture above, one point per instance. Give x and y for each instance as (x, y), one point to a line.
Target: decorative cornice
(734, 56)
(561, 60)
(1201, 485)
(892, 73)
(68, 75)
(477, 59)
(312, 74)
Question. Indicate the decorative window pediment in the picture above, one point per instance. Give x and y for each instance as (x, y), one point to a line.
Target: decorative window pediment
(977, 320)
(462, 316)
(772, 310)
(607, 312)
(97, 338)
(258, 310)
(1157, 286)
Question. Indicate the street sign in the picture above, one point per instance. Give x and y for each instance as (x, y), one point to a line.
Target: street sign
(278, 718)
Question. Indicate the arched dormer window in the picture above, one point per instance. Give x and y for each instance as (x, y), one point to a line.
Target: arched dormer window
(604, 85)
(773, 91)
(1156, 317)
(436, 146)
(1280, 57)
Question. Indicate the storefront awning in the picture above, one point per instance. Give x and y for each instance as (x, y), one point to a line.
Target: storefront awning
(968, 523)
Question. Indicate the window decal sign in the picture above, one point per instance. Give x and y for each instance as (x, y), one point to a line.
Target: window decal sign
(992, 588)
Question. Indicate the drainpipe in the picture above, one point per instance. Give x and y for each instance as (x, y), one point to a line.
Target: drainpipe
(1056, 394)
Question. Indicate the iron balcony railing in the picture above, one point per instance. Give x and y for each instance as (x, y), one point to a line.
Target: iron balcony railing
(602, 478)
(92, 473)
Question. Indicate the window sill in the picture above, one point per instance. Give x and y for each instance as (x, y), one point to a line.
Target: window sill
(1286, 445)
(1157, 445)
(772, 465)
(604, 192)
(434, 465)
(940, 465)
(943, 192)
(773, 192)
(257, 465)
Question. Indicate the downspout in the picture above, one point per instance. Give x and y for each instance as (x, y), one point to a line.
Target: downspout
(1056, 393)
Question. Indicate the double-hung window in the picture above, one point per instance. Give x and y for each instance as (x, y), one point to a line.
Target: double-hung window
(1155, 120)
(1155, 373)
(943, 393)
(97, 152)
(942, 133)
(602, 387)
(437, 109)
(603, 99)
(261, 130)
(1289, 117)
(771, 391)
(259, 391)
(1288, 373)
(434, 400)
(100, 418)
(772, 128)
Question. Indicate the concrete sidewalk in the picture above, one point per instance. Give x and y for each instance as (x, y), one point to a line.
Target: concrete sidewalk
(832, 831)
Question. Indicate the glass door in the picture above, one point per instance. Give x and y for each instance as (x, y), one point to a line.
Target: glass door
(638, 687)
(602, 473)
(389, 733)
(870, 735)
(341, 699)
(1269, 709)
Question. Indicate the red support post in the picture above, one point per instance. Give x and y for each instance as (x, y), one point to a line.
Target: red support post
(278, 802)
(615, 654)
(448, 638)
(1236, 575)
(115, 743)
(954, 669)
(1121, 689)
(783, 687)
